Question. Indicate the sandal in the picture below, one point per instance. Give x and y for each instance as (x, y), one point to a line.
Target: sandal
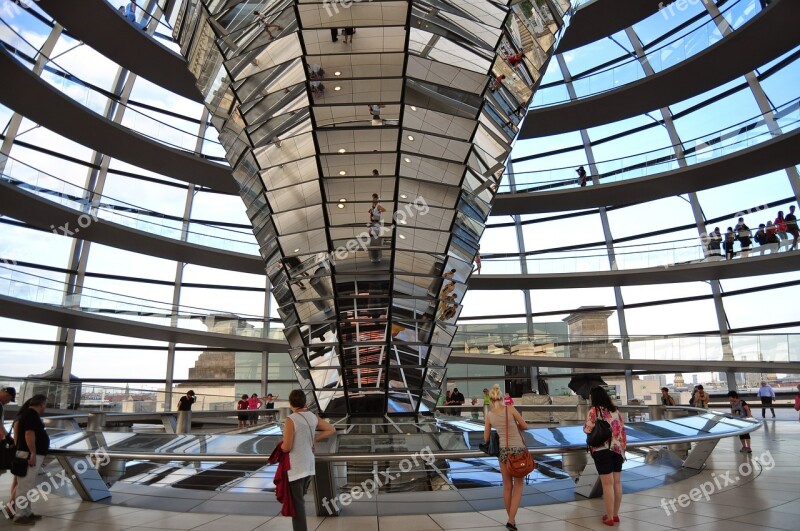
(616, 518)
(608, 520)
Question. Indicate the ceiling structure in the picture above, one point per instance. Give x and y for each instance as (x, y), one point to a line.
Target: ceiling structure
(321, 105)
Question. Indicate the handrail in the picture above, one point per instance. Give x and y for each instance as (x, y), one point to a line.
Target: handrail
(642, 163)
(65, 74)
(16, 179)
(321, 456)
(633, 59)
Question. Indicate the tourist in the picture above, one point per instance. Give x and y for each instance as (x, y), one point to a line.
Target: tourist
(253, 404)
(33, 441)
(299, 436)
(242, 405)
(608, 458)
(780, 225)
(457, 399)
(507, 400)
(7, 395)
(497, 83)
(791, 227)
(761, 235)
(666, 400)
(744, 236)
(700, 398)
(263, 20)
(581, 176)
(730, 239)
(487, 402)
(714, 242)
(348, 35)
(186, 401)
(773, 241)
(797, 400)
(507, 422)
(739, 408)
(375, 211)
(767, 395)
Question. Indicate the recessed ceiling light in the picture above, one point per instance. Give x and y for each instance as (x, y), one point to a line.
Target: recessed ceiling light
(403, 222)
(402, 237)
(403, 196)
(337, 88)
(340, 205)
(343, 150)
(337, 73)
(413, 108)
(406, 159)
(297, 250)
(342, 200)
(411, 138)
(342, 172)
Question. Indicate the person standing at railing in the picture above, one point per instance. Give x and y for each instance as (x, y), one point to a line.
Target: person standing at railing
(791, 227)
(780, 225)
(739, 408)
(797, 400)
(608, 458)
(767, 395)
(666, 400)
(242, 405)
(744, 236)
(507, 421)
(253, 404)
(714, 242)
(730, 239)
(186, 401)
(772, 239)
(301, 431)
(700, 398)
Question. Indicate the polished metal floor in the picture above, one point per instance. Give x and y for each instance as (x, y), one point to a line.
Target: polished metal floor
(750, 492)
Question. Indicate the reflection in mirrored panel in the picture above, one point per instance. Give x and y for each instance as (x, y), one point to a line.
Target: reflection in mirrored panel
(368, 142)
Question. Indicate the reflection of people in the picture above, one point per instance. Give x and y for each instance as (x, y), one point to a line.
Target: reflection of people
(478, 261)
(253, 404)
(375, 111)
(348, 35)
(264, 21)
(515, 59)
(497, 83)
(375, 211)
(299, 436)
(507, 421)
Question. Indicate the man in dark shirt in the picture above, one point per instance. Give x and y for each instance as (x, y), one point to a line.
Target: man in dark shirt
(185, 403)
(456, 399)
(31, 438)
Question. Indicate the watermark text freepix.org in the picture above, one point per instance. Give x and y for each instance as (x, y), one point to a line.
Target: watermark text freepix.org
(52, 482)
(370, 486)
(717, 483)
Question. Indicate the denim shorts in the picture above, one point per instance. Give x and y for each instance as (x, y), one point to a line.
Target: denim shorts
(607, 461)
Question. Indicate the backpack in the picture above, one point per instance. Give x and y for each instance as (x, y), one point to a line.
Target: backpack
(601, 433)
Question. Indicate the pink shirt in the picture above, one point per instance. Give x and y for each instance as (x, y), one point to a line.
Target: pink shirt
(253, 403)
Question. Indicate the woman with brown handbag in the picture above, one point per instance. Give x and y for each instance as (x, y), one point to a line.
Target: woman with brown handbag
(500, 418)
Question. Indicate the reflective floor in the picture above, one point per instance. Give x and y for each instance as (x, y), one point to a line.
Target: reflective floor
(747, 492)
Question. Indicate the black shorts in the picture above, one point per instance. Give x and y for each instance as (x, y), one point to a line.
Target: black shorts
(243, 417)
(766, 400)
(349, 31)
(745, 437)
(607, 461)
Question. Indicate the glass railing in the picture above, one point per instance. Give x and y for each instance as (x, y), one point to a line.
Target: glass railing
(141, 18)
(156, 129)
(666, 255)
(109, 209)
(714, 145)
(33, 288)
(697, 39)
(736, 347)
(135, 398)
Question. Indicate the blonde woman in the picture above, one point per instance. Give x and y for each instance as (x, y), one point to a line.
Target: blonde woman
(507, 421)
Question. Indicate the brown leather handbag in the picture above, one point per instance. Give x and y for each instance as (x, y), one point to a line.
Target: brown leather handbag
(519, 465)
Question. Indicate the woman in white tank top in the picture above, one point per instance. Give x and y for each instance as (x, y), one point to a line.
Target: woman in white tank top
(299, 436)
(507, 421)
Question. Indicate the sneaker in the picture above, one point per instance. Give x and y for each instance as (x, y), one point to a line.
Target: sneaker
(24, 520)
(749, 450)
